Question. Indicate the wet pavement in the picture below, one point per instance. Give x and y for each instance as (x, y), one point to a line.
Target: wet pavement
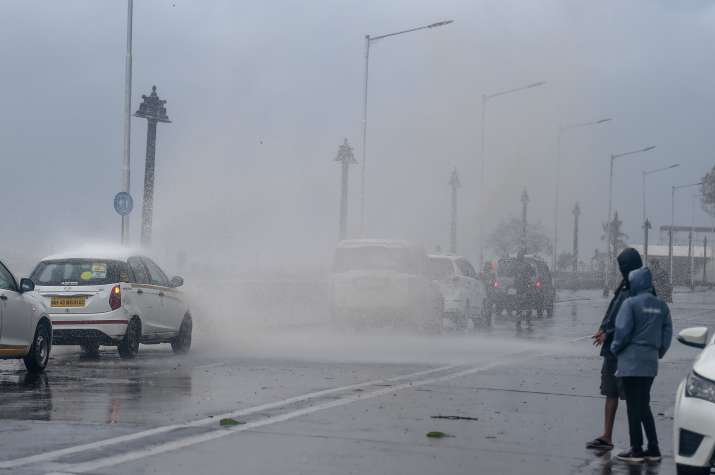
(510, 399)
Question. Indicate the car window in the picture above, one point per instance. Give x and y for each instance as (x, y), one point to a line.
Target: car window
(156, 275)
(440, 268)
(7, 281)
(137, 267)
(372, 258)
(77, 272)
(466, 268)
(506, 268)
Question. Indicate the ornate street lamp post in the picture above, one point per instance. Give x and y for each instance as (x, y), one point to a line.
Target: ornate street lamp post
(346, 158)
(152, 109)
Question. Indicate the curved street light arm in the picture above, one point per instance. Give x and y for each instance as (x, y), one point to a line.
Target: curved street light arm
(517, 89)
(425, 27)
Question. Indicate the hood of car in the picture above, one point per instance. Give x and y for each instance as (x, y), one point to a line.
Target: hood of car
(705, 364)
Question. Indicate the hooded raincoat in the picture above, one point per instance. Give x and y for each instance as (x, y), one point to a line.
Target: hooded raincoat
(628, 260)
(643, 329)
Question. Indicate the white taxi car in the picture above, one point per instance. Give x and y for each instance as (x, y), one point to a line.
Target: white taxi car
(461, 288)
(25, 328)
(694, 422)
(119, 298)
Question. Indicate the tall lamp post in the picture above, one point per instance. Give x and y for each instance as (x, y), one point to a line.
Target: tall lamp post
(346, 158)
(576, 214)
(152, 109)
(562, 129)
(454, 183)
(614, 157)
(646, 222)
(524, 204)
(368, 41)
(672, 223)
(485, 99)
(126, 164)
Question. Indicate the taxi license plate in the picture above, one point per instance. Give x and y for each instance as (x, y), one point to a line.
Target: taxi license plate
(74, 301)
(511, 291)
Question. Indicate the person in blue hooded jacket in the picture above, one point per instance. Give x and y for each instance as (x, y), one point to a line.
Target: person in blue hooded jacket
(642, 336)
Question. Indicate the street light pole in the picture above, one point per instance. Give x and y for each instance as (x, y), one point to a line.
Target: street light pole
(672, 223)
(645, 175)
(346, 158)
(482, 194)
(610, 209)
(364, 136)
(126, 173)
(646, 222)
(576, 214)
(524, 203)
(152, 109)
(454, 183)
(368, 40)
(562, 129)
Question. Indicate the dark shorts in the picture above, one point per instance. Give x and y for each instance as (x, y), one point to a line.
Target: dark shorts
(611, 386)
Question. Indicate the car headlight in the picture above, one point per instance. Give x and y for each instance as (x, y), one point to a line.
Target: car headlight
(698, 387)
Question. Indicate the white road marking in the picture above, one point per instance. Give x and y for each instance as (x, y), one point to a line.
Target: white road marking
(133, 455)
(55, 454)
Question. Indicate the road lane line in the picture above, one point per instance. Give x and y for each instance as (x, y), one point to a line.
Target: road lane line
(133, 455)
(55, 454)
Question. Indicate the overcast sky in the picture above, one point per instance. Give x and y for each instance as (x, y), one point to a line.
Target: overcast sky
(261, 94)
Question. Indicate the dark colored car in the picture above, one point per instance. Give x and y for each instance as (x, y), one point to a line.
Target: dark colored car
(522, 286)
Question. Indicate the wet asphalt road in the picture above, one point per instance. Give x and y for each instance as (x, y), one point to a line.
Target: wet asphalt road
(510, 400)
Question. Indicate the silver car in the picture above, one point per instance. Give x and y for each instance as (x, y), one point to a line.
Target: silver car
(25, 327)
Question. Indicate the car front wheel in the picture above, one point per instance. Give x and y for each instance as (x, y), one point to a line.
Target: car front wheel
(182, 343)
(129, 346)
(36, 360)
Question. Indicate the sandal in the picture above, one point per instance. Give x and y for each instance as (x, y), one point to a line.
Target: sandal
(599, 444)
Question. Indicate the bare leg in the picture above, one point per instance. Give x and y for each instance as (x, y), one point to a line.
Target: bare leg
(609, 418)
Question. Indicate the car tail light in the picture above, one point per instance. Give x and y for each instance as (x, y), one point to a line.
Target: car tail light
(538, 284)
(115, 297)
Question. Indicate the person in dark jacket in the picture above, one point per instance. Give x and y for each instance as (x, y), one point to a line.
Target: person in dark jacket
(642, 336)
(628, 260)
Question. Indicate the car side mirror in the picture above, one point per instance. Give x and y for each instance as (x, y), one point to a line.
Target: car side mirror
(694, 336)
(26, 285)
(177, 281)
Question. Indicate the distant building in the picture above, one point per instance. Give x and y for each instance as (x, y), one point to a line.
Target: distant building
(682, 261)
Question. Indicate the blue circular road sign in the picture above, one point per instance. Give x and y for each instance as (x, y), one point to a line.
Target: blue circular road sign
(123, 203)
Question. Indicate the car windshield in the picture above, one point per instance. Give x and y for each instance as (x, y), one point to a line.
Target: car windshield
(440, 268)
(372, 258)
(78, 272)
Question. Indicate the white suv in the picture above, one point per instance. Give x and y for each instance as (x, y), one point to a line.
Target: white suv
(694, 424)
(384, 282)
(113, 298)
(25, 328)
(461, 288)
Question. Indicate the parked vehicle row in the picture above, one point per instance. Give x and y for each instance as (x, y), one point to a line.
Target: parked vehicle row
(381, 282)
(110, 298)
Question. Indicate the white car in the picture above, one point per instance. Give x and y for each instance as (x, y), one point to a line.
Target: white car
(694, 424)
(384, 282)
(461, 288)
(119, 298)
(25, 327)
